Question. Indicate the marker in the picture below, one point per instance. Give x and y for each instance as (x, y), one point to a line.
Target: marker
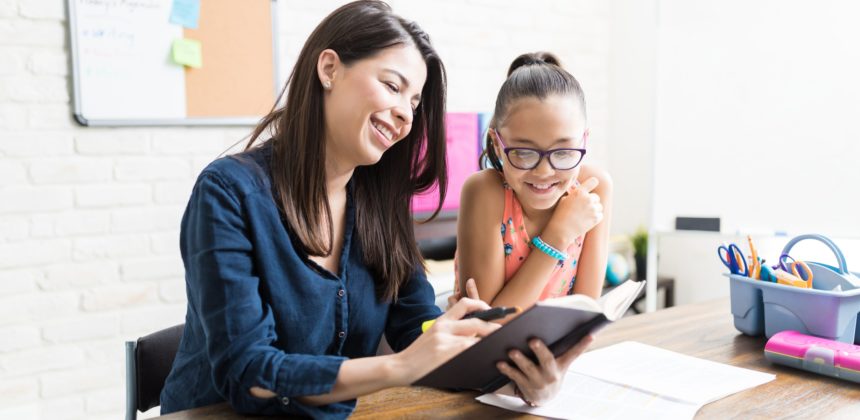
(487, 315)
(493, 313)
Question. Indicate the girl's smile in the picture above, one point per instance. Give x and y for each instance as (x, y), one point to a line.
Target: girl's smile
(542, 188)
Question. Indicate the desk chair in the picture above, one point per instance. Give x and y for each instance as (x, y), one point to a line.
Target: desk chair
(439, 249)
(147, 364)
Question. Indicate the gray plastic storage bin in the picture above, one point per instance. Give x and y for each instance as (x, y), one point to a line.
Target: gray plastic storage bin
(829, 310)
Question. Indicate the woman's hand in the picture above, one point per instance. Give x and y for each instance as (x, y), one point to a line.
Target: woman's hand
(538, 383)
(575, 214)
(448, 336)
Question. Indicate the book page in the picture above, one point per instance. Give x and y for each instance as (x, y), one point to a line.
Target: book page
(616, 302)
(583, 397)
(612, 304)
(667, 373)
(574, 302)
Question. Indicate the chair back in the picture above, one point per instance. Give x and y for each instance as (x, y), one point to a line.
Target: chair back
(148, 362)
(439, 249)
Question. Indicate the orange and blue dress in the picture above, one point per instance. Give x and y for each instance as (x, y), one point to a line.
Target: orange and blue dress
(517, 245)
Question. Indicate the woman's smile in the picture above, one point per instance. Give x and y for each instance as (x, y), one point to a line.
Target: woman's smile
(383, 132)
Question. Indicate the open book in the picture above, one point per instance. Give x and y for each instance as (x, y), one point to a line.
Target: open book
(559, 322)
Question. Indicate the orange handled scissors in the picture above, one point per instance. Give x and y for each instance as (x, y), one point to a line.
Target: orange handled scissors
(799, 275)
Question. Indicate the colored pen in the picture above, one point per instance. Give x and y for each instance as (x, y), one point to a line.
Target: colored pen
(493, 313)
(487, 315)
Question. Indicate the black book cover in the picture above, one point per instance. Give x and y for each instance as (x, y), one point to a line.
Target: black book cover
(560, 327)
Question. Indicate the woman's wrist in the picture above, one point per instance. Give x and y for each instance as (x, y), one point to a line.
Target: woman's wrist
(397, 371)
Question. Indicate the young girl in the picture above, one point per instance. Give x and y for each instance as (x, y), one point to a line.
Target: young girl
(533, 227)
(299, 253)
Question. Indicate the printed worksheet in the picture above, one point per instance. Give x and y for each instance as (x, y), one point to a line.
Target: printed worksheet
(635, 380)
(667, 373)
(584, 397)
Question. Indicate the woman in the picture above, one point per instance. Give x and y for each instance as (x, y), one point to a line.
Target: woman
(299, 253)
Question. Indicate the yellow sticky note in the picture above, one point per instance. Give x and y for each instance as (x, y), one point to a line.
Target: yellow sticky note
(188, 52)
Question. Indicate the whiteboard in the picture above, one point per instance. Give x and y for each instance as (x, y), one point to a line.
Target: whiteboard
(123, 72)
(757, 109)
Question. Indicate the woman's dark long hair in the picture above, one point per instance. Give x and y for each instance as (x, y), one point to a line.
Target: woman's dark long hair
(383, 191)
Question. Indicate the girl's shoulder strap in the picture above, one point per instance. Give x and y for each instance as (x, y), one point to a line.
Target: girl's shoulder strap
(513, 213)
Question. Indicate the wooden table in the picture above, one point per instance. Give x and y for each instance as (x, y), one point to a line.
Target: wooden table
(703, 330)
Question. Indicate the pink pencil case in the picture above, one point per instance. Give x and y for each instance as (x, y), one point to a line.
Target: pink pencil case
(814, 354)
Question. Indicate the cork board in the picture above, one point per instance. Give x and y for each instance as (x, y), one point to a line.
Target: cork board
(235, 50)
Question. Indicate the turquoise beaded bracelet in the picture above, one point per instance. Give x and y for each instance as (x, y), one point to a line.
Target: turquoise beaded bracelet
(549, 250)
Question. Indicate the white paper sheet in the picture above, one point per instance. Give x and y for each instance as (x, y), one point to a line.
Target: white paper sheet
(667, 373)
(634, 380)
(583, 397)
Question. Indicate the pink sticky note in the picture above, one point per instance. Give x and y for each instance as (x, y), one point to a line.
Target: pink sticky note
(461, 141)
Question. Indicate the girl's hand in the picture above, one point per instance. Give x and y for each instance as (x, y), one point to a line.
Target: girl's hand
(537, 384)
(471, 292)
(575, 214)
(448, 336)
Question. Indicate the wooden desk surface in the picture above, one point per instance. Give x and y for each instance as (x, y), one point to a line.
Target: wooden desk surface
(702, 330)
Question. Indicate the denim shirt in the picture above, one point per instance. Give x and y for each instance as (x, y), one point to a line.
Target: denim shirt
(260, 313)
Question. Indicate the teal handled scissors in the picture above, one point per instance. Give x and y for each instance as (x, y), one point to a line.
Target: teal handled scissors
(733, 258)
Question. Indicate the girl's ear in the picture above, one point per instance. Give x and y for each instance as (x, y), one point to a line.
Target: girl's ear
(585, 137)
(495, 138)
(328, 64)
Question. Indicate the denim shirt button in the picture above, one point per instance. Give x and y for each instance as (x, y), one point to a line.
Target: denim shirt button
(340, 293)
(285, 400)
(341, 334)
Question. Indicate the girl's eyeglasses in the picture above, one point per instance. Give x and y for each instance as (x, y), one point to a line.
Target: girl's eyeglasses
(526, 158)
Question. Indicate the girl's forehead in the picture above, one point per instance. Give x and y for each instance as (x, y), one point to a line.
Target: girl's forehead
(551, 118)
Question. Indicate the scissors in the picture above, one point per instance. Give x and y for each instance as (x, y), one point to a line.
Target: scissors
(755, 263)
(792, 272)
(732, 257)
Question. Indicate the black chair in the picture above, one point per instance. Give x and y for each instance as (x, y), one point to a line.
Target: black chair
(437, 239)
(147, 364)
(439, 249)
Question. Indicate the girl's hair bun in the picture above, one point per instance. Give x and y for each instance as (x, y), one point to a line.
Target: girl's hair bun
(533, 59)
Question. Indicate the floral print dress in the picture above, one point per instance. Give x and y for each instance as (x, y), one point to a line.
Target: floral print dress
(517, 245)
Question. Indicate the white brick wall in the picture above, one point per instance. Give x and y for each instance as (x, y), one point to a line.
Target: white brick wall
(89, 217)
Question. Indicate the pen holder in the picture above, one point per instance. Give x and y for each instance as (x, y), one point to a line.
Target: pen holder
(829, 310)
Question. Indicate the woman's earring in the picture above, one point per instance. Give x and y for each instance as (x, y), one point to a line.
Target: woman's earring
(327, 84)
